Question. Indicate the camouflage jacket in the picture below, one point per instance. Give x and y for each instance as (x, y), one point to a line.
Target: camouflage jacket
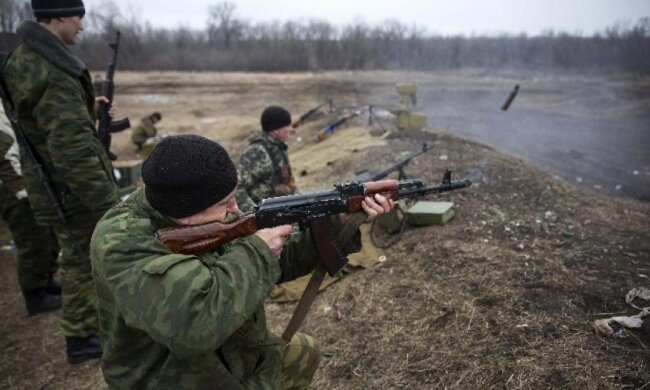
(142, 131)
(187, 322)
(54, 102)
(9, 158)
(264, 171)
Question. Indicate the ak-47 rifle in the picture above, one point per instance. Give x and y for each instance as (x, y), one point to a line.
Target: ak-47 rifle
(365, 175)
(311, 210)
(329, 129)
(299, 208)
(38, 166)
(106, 127)
(309, 113)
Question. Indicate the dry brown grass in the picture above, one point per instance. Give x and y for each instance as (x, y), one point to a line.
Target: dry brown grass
(502, 297)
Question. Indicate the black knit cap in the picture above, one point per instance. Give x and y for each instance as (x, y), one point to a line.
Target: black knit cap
(47, 9)
(186, 174)
(275, 117)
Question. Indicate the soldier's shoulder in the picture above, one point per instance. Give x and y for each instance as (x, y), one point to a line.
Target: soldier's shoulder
(25, 59)
(127, 217)
(30, 68)
(254, 151)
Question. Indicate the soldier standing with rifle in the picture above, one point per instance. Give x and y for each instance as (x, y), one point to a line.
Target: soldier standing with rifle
(264, 169)
(36, 248)
(54, 102)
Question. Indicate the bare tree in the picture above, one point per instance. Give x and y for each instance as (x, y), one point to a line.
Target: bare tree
(222, 25)
(12, 12)
(230, 43)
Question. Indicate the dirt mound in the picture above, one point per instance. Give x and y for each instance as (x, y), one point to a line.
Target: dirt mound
(503, 296)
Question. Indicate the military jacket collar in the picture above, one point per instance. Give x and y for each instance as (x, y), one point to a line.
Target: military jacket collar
(268, 139)
(138, 201)
(39, 39)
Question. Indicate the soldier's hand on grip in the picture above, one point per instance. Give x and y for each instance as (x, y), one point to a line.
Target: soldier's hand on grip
(275, 237)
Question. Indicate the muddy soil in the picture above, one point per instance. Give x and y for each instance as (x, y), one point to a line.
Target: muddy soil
(502, 297)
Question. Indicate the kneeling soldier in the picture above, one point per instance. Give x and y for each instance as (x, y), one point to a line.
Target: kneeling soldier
(180, 321)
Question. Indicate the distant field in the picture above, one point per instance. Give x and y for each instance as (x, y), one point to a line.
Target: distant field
(502, 297)
(590, 129)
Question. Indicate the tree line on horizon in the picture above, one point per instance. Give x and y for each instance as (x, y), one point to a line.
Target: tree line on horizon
(231, 43)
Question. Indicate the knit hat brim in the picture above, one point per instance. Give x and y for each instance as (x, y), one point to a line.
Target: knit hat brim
(48, 9)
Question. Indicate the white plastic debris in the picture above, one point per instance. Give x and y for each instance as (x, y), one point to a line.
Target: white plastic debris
(550, 216)
(639, 292)
(603, 327)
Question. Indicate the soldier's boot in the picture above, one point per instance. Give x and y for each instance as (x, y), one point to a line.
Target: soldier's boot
(81, 349)
(40, 301)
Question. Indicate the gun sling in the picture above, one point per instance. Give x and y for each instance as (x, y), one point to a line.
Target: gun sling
(332, 260)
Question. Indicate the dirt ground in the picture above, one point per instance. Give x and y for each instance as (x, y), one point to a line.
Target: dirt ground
(501, 297)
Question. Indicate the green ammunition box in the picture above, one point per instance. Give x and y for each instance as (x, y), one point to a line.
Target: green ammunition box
(430, 213)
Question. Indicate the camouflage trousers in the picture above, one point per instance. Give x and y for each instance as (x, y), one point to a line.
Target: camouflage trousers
(299, 362)
(78, 298)
(36, 247)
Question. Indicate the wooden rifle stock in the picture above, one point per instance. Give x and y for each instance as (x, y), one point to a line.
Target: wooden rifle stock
(197, 239)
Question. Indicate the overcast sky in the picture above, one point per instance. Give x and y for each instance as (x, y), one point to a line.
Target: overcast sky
(436, 16)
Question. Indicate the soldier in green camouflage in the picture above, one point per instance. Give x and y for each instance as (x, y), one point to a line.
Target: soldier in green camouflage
(264, 169)
(175, 321)
(54, 101)
(36, 248)
(145, 129)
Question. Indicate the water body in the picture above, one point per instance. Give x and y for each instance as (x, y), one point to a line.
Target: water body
(593, 130)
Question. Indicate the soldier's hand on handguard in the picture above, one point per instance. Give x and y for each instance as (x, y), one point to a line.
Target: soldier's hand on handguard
(275, 237)
(111, 111)
(374, 206)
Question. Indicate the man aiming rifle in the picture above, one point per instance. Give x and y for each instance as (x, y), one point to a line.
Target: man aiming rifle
(183, 321)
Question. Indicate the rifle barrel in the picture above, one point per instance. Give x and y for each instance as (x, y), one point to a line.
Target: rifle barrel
(436, 189)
